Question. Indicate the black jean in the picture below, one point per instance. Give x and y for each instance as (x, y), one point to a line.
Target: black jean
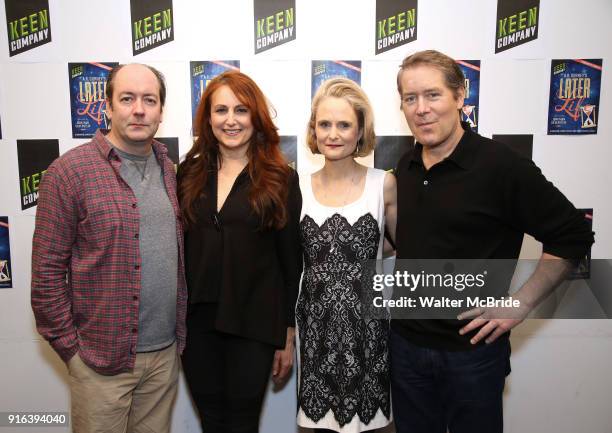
(434, 389)
(227, 376)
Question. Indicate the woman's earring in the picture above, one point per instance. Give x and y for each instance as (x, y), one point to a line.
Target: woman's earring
(358, 147)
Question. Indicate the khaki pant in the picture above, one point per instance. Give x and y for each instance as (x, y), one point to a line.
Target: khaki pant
(136, 402)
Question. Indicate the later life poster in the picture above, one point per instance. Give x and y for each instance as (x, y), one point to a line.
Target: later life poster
(87, 83)
(6, 281)
(574, 96)
(325, 69)
(470, 112)
(201, 72)
(288, 144)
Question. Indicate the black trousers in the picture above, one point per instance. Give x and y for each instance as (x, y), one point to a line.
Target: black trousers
(227, 376)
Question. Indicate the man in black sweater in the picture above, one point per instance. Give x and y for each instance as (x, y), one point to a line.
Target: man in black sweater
(465, 197)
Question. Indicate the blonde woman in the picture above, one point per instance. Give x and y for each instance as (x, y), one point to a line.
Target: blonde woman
(343, 358)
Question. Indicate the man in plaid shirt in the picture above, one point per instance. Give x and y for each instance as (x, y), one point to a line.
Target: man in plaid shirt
(108, 284)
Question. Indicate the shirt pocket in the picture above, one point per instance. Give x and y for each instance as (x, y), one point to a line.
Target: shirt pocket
(102, 221)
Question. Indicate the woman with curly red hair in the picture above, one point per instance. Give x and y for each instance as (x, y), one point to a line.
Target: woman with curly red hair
(241, 205)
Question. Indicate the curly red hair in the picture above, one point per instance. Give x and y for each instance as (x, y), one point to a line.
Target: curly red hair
(267, 168)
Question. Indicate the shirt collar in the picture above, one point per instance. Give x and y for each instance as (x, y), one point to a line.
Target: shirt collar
(106, 149)
(464, 152)
(102, 144)
(462, 155)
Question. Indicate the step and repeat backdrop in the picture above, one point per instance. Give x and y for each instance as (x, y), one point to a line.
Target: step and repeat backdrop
(537, 79)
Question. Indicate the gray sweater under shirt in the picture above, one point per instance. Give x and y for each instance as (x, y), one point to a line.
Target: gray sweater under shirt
(158, 251)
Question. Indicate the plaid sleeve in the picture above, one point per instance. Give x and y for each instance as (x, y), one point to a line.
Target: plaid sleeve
(54, 235)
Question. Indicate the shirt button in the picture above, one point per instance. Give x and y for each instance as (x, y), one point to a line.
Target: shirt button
(425, 182)
(136, 236)
(134, 330)
(136, 267)
(134, 205)
(135, 297)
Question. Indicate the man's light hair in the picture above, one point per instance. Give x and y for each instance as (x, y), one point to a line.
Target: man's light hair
(453, 75)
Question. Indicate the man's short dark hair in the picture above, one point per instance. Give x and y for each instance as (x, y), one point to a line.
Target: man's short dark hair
(110, 83)
(453, 75)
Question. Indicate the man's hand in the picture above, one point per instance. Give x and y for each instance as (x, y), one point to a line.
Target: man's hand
(493, 322)
(551, 271)
(283, 359)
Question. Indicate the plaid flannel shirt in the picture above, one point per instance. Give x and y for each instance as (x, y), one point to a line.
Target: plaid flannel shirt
(86, 257)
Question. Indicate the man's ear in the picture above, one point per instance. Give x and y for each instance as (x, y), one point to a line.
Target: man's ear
(460, 98)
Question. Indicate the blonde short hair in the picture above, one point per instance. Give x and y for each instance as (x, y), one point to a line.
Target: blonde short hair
(340, 87)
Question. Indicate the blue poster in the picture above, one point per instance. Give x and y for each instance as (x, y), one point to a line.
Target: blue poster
(324, 69)
(88, 97)
(201, 72)
(6, 281)
(470, 111)
(574, 96)
(288, 144)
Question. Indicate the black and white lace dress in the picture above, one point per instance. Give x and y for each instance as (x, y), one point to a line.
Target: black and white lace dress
(343, 380)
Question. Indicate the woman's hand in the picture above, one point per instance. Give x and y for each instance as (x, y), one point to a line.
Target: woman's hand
(283, 359)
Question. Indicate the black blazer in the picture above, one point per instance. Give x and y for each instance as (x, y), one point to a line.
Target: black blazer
(252, 274)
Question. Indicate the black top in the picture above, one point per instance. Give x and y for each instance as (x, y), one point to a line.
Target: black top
(252, 274)
(477, 204)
